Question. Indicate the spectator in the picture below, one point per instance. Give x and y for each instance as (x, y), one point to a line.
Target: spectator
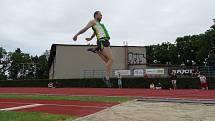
(119, 80)
(152, 86)
(173, 79)
(203, 82)
(158, 86)
(51, 85)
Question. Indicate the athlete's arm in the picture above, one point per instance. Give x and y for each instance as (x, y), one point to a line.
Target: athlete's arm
(89, 25)
(93, 35)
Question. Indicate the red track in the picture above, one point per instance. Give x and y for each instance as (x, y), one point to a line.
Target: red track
(78, 108)
(188, 94)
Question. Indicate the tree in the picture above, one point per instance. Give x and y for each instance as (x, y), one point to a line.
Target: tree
(187, 48)
(3, 63)
(17, 58)
(206, 47)
(161, 54)
(43, 70)
(150, 53)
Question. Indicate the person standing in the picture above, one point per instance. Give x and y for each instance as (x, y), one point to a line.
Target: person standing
(119, 80)
(203, 82)
(173, 80)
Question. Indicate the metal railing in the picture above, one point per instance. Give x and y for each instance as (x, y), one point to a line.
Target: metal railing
(93, 74)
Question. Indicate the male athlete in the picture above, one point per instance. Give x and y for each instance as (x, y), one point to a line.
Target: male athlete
(103, 45)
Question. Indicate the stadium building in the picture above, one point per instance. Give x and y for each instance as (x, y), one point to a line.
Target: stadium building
(75, 62)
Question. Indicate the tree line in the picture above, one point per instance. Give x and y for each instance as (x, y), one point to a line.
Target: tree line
(19, 65)
(190, 50)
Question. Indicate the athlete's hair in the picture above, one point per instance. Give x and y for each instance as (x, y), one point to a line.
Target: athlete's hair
(95, 13)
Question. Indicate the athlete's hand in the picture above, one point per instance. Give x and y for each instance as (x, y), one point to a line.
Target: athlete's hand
(88, 39)
(75, 37)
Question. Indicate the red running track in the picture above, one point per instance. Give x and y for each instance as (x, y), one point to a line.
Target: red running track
(73, 108)
(185, 94)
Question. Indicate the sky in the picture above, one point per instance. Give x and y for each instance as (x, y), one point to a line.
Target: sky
(34, 25)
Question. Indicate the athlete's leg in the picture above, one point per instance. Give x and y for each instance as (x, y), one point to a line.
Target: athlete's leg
(98, 51)
(107, 53)
(102, 57)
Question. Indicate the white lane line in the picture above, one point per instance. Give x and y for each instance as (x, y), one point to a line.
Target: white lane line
(79, 106)
(21, 107)
(61, 105)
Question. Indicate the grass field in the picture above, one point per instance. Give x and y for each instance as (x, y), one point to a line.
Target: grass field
(33, 116)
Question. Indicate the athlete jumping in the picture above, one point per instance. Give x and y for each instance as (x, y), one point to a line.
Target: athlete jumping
(103, 44)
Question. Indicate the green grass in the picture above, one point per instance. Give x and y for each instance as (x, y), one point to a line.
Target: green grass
(29, 116)
(79, 98)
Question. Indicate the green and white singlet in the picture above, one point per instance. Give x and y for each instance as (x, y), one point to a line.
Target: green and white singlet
(100, 31)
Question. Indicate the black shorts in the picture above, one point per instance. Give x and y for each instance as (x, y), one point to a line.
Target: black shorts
(102, 43)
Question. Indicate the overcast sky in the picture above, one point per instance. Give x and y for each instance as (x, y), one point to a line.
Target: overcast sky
(34, 25)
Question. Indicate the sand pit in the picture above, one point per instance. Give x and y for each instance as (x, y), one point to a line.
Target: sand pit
(154, 111)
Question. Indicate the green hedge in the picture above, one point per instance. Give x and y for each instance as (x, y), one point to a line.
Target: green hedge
(24, 83)
(182, 83)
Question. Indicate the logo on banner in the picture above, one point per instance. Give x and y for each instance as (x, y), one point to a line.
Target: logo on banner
(182, 71)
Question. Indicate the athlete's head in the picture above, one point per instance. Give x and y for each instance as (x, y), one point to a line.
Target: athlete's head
(98, 15)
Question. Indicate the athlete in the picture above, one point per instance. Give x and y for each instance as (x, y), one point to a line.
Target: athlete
(103, 44)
